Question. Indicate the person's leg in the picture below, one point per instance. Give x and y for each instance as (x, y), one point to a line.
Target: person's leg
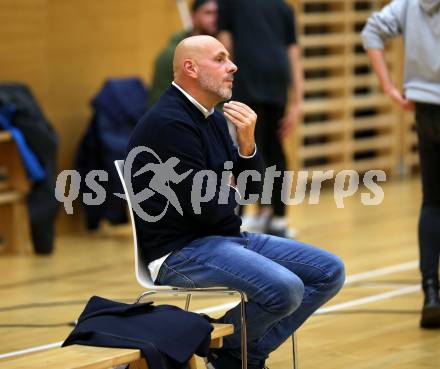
(274, 291)
(321, 272)
(274, 153)
(270, 147)
(428, 131)
(275, 156)
(259, 221)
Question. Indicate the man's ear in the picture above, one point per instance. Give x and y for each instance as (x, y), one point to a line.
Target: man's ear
(190, 68)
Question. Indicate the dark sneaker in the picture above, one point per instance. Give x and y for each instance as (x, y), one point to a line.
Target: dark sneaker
(224, 361)
(291, 233)
(221, 359)
(431, 305)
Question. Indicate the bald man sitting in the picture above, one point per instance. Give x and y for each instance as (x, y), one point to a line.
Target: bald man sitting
(199, 243)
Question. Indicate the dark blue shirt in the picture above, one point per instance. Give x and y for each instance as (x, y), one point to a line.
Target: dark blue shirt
(174, 127)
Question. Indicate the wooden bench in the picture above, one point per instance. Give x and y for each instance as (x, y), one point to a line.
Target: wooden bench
(14, 186)
(87, 357)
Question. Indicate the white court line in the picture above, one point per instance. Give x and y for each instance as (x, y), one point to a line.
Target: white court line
(382, 271)
(350, 279)
(368, 299)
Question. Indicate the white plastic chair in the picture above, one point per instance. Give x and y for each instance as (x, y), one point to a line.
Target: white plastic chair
(143, 276)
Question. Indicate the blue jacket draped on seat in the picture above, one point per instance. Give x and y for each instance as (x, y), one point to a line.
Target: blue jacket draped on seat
(167, 335)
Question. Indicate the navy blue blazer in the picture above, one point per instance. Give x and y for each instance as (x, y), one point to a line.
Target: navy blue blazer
(167, 335)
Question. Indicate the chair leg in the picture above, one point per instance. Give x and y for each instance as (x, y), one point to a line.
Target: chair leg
(294, 352)
(188, 301)
(243, 331)
(143, 295)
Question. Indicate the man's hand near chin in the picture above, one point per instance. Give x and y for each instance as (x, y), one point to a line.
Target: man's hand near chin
(244, 120)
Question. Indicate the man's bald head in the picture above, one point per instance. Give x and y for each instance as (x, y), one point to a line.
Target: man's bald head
(192, 48)
(203, 69)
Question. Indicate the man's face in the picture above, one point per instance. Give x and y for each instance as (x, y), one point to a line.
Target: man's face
(205, 19)
(216, 71)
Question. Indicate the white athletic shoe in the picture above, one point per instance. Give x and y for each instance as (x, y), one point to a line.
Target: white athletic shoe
(254, 223)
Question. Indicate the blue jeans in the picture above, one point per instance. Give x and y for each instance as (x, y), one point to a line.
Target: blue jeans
(285, 282)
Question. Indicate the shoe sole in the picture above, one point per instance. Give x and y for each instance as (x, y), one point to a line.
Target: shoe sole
(430, 317)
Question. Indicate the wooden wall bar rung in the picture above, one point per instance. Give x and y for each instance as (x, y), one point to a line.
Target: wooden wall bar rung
(322, 62)
(313, 151)
(363, 165)
(380, 121)
(381, 142)
(331, 83)
(328, 127)
(368, 102)
(323, 105)
(319, 19)
(324, 1)
(333, 39)
(358, 16)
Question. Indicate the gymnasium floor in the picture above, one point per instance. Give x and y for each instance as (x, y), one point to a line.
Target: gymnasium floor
(372, 323)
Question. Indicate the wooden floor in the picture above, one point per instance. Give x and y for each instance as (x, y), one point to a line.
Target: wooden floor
(372, 323)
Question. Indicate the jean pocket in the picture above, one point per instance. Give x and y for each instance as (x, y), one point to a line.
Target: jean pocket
(177, 259)
(171, 276)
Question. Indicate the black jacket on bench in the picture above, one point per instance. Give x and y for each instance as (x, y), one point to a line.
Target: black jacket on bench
(167, 335)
